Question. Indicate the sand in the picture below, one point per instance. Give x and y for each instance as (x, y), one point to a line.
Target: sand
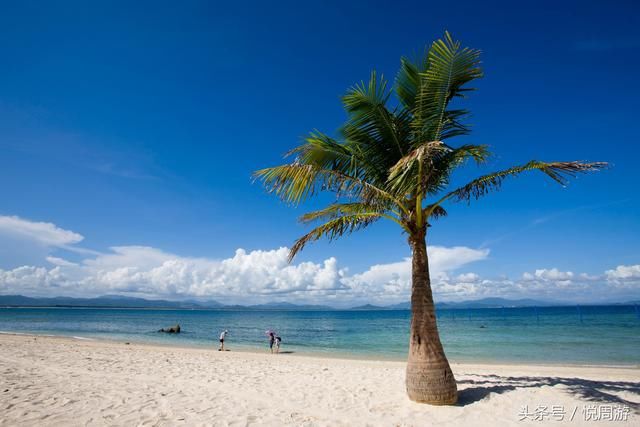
(47, 381)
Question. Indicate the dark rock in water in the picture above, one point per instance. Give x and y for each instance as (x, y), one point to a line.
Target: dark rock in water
(482, 327)
(171, 330)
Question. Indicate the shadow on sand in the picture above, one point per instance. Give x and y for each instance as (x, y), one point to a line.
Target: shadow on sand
(588, 390)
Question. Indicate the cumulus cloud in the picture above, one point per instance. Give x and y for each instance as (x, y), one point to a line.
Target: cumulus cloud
(468, 278)
(244, 277)
(392, 281)
(150, 271)
(147, 271)
(31, 280)
(624, 272)
(548, 275)
(265, 275)
(551, 284)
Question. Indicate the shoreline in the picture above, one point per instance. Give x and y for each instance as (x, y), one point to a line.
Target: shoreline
(313, 355)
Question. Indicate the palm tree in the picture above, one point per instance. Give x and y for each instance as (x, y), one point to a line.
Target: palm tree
(391, 162)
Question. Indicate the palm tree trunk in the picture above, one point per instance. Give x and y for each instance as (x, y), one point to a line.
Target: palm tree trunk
(429, 377)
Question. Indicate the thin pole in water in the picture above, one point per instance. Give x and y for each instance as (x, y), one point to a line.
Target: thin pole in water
(580, 313)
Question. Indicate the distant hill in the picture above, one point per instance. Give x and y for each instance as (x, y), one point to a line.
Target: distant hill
(400, 306)
(496, 303)
(119, 301)
(369, 307)
(107, 301)
(481, 303)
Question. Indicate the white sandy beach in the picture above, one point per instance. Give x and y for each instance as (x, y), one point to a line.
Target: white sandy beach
(65, 382)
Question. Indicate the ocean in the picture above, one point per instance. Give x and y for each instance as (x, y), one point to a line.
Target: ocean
(591, 335)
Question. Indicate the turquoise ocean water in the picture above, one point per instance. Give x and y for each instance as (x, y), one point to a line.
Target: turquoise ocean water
(608, 335)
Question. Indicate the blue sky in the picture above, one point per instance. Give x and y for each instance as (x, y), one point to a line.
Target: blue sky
(139, 125)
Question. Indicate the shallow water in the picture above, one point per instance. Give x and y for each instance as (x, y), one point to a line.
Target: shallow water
(587, 335)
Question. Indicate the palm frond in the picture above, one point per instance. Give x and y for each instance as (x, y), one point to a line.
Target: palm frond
(438, 162)
(371, 126)
(336, 210)
(324, 152)
(361, 97)
(558, 171)
(293, 183)
(449, 69)
(407, 82)
(402, 175)
(452, 124)
(435, 212)
(334, 228)
(445, 162)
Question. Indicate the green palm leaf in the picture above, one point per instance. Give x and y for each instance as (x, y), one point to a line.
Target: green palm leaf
(449, 69)
(558, 171)
(334, 228)
(296, 182)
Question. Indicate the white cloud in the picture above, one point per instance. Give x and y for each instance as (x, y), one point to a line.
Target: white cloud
(392, 282)
(60, 261)
(469, 286)
(31, 280)
(44, 233)
(447, 259)
(247, 274)
(151, 272)
(548, 275)
(468, 278)
(624, 272)
(619, 285)
(265, 275)
(245, 277)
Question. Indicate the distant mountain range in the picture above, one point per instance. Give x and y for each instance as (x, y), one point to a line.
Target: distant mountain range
(481, 303)
(119, 301)
(500, 302)
(109, 301)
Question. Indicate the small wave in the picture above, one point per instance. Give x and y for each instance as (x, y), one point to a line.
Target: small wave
(34, 334)
(27, 334)
(12, 333)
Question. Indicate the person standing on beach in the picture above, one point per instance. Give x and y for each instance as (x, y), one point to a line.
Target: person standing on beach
(272, 340)
(278, 341)
(223, 335)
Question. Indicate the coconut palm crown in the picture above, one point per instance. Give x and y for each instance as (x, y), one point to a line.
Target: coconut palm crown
(393, 161)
